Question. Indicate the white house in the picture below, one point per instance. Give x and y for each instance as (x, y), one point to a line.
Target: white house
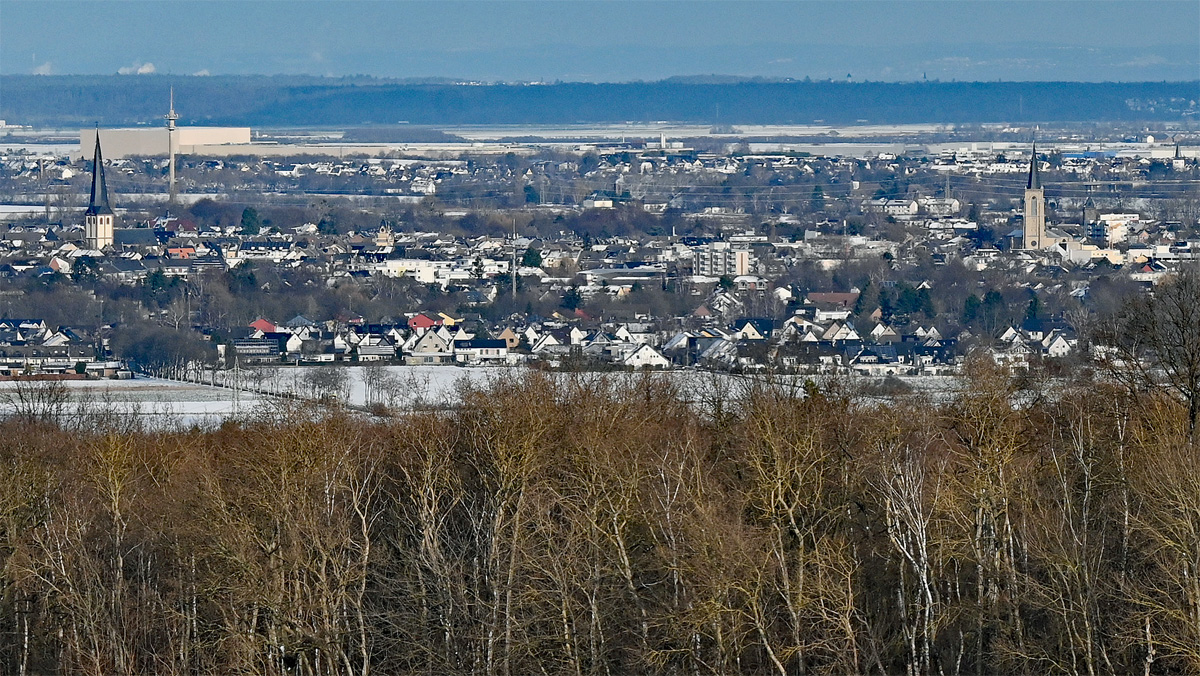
(645, 356)
(480, 351)
(903, 207)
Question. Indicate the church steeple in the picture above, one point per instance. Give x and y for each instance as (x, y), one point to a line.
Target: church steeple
(1033, 235)
(99, 202)
(98, 220)
(1035, 176)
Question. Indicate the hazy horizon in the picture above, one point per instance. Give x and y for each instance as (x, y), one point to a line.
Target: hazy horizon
(610, 41)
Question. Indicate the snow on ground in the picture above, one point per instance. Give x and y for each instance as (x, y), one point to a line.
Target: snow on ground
(397, 386)
(159, 402)
(409, 386)
(167, 402)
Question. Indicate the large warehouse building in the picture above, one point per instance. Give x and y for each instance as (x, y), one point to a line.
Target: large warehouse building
(150, 141)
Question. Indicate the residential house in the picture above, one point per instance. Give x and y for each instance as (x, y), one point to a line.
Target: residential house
(430, 348)
(480, 351)
(645, 356)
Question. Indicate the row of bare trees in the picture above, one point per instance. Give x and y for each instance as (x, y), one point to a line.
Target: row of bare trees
(616, 524)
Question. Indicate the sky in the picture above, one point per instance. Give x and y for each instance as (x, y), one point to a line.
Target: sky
(609, 40)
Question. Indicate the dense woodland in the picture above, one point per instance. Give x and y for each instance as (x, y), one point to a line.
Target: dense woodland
(592, 524)
(288, 100)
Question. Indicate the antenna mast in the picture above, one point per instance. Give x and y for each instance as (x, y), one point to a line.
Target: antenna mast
(514, 258)
(170, 118)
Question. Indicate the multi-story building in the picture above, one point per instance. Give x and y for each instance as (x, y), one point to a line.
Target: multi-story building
(722, 258)
(1112, 228)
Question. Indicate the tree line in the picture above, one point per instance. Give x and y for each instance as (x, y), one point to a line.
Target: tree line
(600, 524)
(274, 100)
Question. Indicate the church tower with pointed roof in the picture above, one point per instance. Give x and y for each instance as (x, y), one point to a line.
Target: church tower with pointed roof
(99, 217)
(1033, 235)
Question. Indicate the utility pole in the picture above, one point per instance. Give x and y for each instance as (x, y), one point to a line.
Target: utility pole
(237, 381)
(171, 116)
(45, 185)
(514, 258)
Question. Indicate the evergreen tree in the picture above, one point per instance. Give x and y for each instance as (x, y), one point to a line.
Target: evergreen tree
(571, 299)
(1034, 308)
(532, 258)
(971, 309)
(251, 223)
(868, 300)
(925, 303)
(817, 202)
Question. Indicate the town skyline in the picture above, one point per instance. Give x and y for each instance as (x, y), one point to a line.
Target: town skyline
(504, 338)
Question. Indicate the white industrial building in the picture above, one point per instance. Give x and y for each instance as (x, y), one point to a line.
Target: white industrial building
(152, 141)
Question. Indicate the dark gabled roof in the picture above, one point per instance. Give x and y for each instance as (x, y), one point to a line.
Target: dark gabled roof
(380, 329)
(944, 347)
(886, 353)
(1034, 325)
(480, 344)
(125, 265)
(765, 326)
(135, 237)
(171, 263)
(259, 244)
(838, 299)
(17, 322)
(281, 337)
(98, 204)
(300, 320)
(10, 336)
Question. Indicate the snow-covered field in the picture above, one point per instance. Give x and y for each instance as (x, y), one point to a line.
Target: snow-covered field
(158, 402)
(416, 386)
(169, 403)
(395, 386)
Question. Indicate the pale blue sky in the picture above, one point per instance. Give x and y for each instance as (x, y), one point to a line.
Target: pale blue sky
(610, 40)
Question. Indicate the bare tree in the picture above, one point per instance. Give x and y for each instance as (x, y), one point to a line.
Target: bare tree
(1155, 342)
(327, 382)
(37, 400)
(378, 383)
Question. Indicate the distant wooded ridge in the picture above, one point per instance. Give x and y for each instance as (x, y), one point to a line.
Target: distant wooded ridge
(289, 100)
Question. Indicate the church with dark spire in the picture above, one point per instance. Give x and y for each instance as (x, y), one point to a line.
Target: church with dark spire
(1033, 235)
(98, 220)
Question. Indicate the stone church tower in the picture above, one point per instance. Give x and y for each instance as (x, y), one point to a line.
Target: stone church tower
(1034, 233)
(99, 217)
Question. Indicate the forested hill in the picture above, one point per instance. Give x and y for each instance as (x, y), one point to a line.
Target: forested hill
(261, 100)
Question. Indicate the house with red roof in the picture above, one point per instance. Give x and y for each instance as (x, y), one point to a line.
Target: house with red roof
(263, 325)
(423, 322)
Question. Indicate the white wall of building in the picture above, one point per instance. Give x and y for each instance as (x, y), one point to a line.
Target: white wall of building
(118, 143)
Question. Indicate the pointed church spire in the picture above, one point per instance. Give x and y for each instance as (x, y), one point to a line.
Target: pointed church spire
(1035, 177)
(99, 201)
